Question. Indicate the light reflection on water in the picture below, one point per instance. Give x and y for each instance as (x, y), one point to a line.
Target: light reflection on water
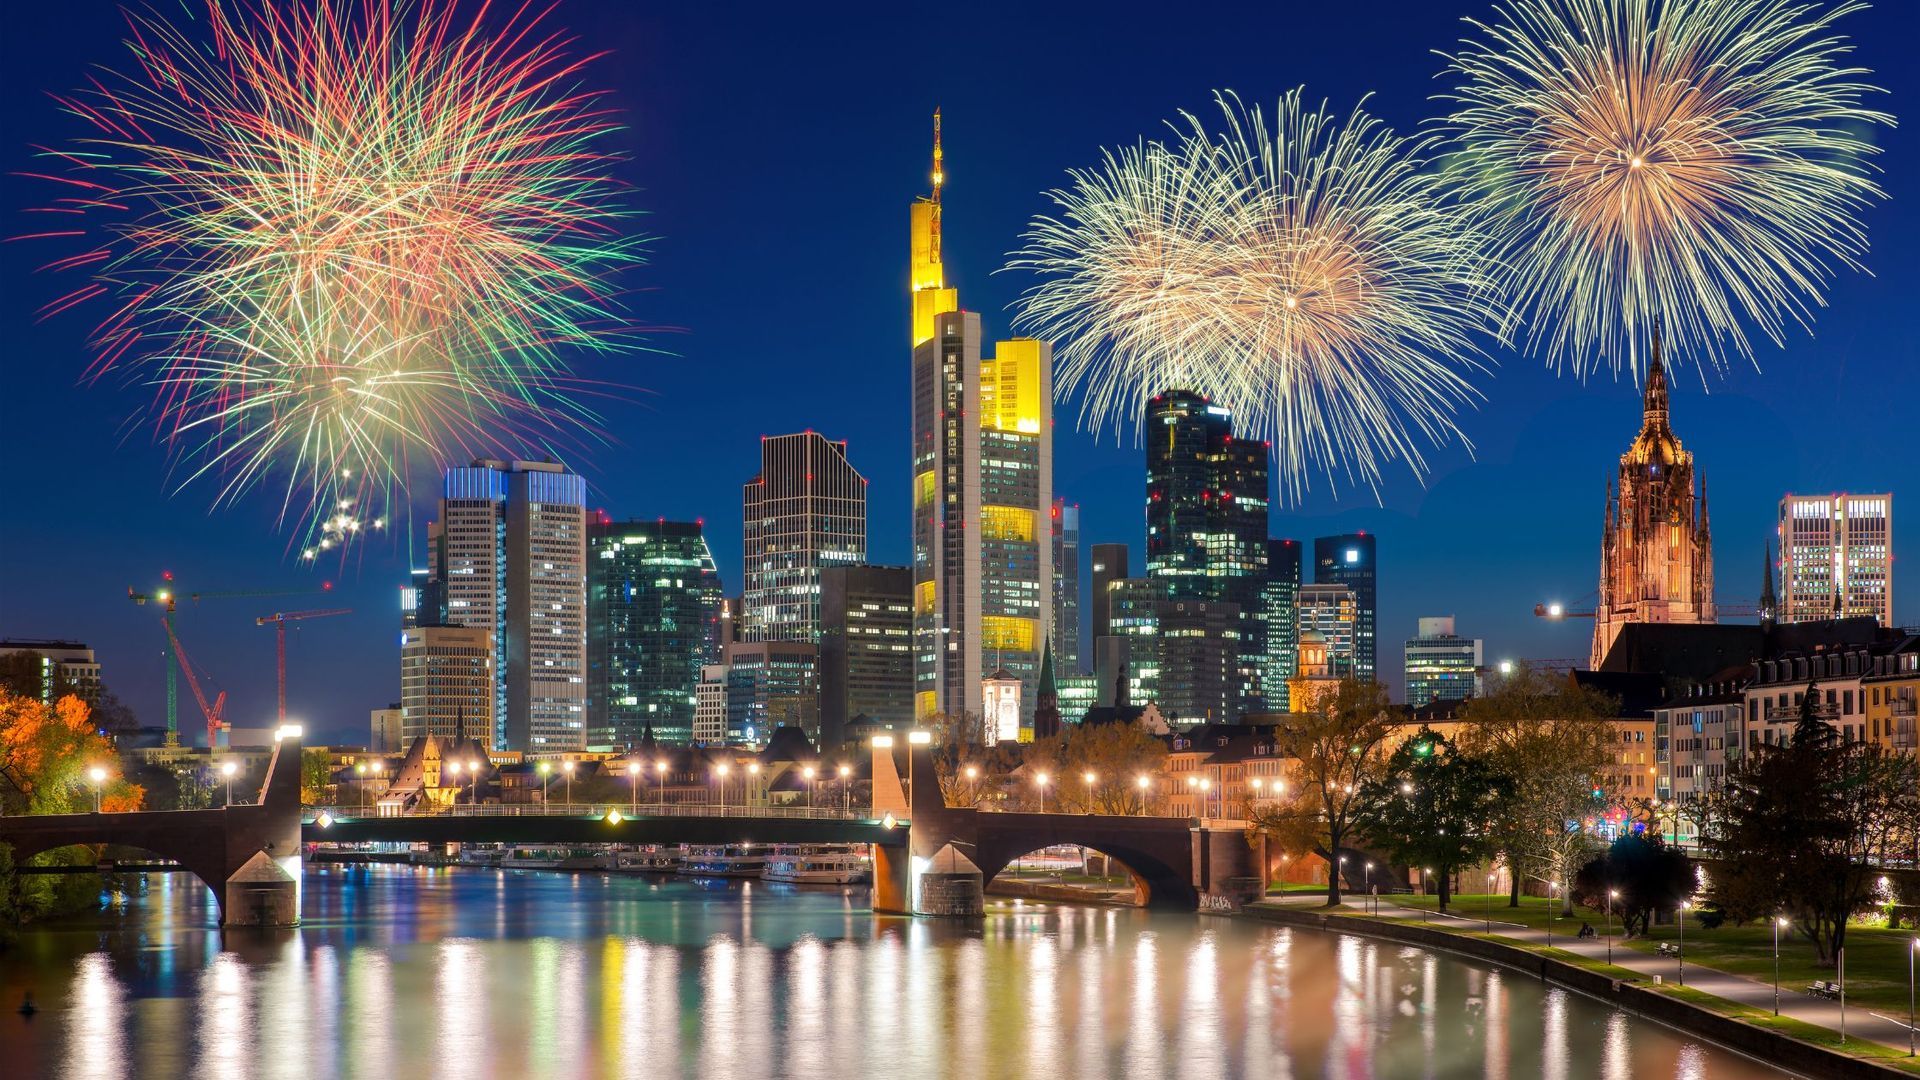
(477, 974)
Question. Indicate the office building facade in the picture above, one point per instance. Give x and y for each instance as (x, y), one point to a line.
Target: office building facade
(1109, 566)
(1333, 613)
(1280, 611)
(447, 683)
(982, 467)
(1836, 557)
(510, 557)
(1440, 665)
(1199, 660)
(58, 664)
(653, 621)
(806, 510)
(866, 647)
(1349, 560)
(1066, 587)
(771, 684)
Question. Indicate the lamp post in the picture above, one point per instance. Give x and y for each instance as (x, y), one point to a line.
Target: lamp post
(1915, 945)
(1339, 868)
(1206, 796)
(973, 784)
(99, 777)
(1778, 922)
(544, 768)
(567, 768)
(1612, 895)
(1491, 875)
(1366, 884)
(1040, 780)
(359, 772)
(376, 769)
(473, 785)
(227, 769)
(453, 770)
(807, 773)
(846, 788)
(1681, 956)
(753, 781)
(1144, 785)
(633, 789)
(660, 782)
(720, 771)
(1091, 778)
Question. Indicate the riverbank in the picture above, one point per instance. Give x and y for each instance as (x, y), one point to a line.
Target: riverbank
(1788, 1043)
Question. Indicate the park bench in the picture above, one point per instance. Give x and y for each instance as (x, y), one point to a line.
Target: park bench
(1668, 948)
(1824, 989)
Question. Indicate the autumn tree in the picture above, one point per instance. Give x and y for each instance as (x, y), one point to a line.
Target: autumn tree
(1435, 806)
(46, 755)
(970, 772)
(1554, 739)
(1339, 748)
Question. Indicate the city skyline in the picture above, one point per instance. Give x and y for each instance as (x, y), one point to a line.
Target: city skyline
(1547, 443)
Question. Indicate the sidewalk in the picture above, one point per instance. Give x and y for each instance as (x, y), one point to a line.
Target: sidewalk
(1859, 1023)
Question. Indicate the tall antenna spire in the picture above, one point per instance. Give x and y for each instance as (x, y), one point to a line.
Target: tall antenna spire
(939, 181)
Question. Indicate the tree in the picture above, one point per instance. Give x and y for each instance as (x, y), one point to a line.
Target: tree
(316, 777)
(1116, 755)
(968, 771)
(1804, 827)
(1554, 739)
(1637, 875)
(1435, 806)
(46, 755)
(1339, 748)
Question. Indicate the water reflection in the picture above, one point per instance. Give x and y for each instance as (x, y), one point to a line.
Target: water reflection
(477, 974)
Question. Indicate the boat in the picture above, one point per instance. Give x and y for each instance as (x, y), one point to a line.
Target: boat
(817, 867)
(651, 860)
(731, 861)
(555, 859)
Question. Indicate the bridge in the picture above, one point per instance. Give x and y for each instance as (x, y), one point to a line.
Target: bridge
(249, 855)
(605, 824)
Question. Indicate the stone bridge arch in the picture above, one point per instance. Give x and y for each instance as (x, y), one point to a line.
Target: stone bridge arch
(1158, 853)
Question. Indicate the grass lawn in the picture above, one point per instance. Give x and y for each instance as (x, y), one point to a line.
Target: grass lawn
(1876, 957)
(1294, 888)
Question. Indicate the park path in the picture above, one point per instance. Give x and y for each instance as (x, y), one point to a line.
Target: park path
(1859, 1023)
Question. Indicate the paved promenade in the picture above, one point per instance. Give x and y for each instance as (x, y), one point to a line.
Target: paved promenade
(1858, 1023)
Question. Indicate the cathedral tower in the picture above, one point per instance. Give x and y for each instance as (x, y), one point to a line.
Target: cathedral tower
(1656, 554)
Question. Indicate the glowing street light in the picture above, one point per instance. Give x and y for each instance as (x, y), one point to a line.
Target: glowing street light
(99, 777)
(1612, 895)
(1040, 780)
(1144, 783)
(846, 786)
(720, 771)
(567, 767)
(359, 770)
(660, 781)
(753, 781)
(227, 769)
(633, 786)
(1778, 922)
(808, 772)
(1091, 778)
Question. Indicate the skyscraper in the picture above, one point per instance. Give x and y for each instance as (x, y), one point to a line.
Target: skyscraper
(653, 621)
(866, 647)
(1199, 650)
(1836, 557)
(982, 489)
(1349, 560)
(1066, 586)
(1109, 566)
(1207, 518)
(447, 683)
(806, 510)
(771, 684)
(1656, 554)
(510, 554)
(1440, 665)
(1333, 613)
(1128, 659)
(1280, 609)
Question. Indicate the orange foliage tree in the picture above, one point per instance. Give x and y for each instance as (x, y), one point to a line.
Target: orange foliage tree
(47, 754)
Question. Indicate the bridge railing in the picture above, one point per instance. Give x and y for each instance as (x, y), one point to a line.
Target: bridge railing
(593, 810)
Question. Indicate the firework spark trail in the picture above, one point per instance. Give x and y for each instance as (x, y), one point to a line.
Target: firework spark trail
(1303, 271)
(343, 238)
(1691, 166)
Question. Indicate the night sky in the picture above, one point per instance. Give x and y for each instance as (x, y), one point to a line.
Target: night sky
(776, 152)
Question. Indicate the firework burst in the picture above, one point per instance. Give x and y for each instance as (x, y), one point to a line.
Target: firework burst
(342, 238)
(1301, 270)
(1691, 166)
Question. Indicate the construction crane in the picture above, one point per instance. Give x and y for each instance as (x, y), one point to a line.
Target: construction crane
(169, 596)
(280, 619)
(215, 721)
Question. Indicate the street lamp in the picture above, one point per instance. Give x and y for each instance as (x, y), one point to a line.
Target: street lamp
(1040, 779)
(660, 782)
(1366, 882)
(1206, 798)
(544, 768)
(567, 767)
(1612, 895)
(1091, 778)
(1681, 956)
(1143, 784)
(753, 781)
(453, 770)
(807, 772)
(1491, 875)
(633, 788)
(1778, 922)
(359, 770)
(99, 777)
(1911, 949)
(846, 788)
(720, 771)
(227, 769)
(473, 784)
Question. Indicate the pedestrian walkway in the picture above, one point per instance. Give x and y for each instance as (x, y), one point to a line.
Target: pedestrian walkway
(1856, 1022)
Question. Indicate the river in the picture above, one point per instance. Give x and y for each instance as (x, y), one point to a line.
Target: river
(469, 974)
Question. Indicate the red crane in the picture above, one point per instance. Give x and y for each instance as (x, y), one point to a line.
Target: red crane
(280, 619)
(215, 721)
